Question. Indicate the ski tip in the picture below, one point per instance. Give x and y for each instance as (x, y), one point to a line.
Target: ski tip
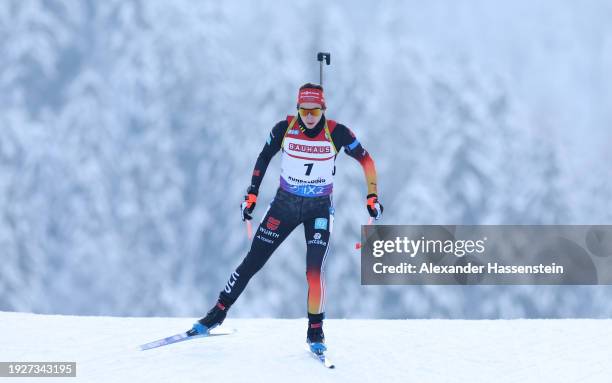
(328, 364)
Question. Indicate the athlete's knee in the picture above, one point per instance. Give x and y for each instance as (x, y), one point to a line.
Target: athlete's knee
(251, 264)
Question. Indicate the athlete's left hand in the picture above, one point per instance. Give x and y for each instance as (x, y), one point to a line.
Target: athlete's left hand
(375, 208)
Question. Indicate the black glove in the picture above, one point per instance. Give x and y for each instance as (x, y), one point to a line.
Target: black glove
(247, 206)
(375, 208)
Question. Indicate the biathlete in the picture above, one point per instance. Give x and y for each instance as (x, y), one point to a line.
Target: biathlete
(309, 144)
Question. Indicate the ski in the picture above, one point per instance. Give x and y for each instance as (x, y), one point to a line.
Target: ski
(183, 337)
(320, 356)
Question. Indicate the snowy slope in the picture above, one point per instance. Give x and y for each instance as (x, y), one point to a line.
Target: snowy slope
(271, 350)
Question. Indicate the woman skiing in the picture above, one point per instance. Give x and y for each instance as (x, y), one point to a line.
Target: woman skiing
(309, 144)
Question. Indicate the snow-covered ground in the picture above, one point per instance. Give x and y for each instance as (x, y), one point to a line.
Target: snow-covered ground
(272, 350)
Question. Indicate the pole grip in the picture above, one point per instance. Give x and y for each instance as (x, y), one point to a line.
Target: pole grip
(324, 56)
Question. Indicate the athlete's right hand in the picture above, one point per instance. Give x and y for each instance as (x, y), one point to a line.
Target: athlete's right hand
(247, 206)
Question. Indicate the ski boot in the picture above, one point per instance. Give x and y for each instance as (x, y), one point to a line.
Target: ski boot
(315, 336)
(213, 318)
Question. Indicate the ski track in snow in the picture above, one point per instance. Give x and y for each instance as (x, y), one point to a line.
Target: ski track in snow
(106, 349)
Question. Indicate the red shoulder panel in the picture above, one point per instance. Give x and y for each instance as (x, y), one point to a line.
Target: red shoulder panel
(331, 124)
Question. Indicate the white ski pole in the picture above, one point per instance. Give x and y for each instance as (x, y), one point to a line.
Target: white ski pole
(358, 244)
(249, 227)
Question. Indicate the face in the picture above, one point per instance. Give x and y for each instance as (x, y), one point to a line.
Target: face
(309, 119)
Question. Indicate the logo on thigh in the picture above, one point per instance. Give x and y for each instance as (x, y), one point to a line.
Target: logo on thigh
(320, 224)
(272, 223)
(317, 240)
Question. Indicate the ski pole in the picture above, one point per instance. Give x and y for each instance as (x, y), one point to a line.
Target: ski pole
(358, 244)
(249, 229)
(320, 57)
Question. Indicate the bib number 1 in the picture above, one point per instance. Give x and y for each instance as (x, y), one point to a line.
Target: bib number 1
(308, 168)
